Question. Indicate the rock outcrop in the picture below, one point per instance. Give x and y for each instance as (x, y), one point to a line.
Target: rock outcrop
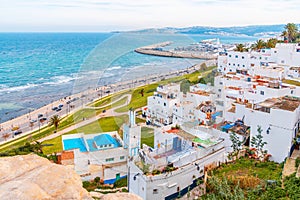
(33, 177)
(116, 196)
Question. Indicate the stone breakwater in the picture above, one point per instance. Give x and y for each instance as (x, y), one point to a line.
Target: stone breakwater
(156, 50)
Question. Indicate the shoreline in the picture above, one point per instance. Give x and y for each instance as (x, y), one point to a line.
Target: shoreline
(86, 97)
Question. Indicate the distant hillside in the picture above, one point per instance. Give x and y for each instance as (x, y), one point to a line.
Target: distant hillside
(236, 30)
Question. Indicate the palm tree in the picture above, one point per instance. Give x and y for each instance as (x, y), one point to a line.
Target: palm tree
(54, 120)
(291, 32)
(240, 48)
(271, 43)
(38, 147)
(260, 44)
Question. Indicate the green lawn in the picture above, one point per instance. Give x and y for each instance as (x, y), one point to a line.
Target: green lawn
(137, 100)
(147, 136)
(250, 167)
(108, 99)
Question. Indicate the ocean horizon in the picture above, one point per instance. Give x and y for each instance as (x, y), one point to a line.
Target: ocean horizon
(39, 68)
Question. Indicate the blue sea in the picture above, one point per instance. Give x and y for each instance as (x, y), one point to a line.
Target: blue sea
(39, 68)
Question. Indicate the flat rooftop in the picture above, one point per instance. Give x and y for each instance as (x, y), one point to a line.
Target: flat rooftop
(284, 103)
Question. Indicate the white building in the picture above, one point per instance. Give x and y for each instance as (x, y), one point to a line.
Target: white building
(283, 54)
(288, 54)
(97, 155)
(231, 88)
(132, 135)
(174, 166)
(279, 119)
(160, 105)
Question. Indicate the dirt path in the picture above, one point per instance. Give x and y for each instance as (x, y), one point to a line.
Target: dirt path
(289, 166)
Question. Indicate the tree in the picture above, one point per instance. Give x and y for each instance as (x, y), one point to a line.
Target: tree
(260, 44)
(38, 147)
(185, 86)
(271, 43)
(258, 143)
(97, 180)
(240, 48)
(54, 120)
(291, 32)
(236, 144)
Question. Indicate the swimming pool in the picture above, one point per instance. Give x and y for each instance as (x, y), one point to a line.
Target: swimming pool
(75, 143)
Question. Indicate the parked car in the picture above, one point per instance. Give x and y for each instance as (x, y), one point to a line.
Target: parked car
(17, 132)
(54, 108)
(60, 106)
(58, 109)
(33, 120)
(40, 115)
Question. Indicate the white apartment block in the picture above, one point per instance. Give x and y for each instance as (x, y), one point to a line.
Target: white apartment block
(287, 55)
(279, 119)
(160, 105)
(180, 158)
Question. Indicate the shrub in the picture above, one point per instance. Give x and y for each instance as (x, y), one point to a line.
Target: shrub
(121, 183)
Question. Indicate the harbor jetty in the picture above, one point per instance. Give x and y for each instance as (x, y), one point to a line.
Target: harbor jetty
(157, 50)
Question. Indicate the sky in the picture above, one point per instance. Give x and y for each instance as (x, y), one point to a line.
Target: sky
(114, 15)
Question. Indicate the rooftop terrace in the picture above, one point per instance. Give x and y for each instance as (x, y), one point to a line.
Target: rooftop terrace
(284, 103)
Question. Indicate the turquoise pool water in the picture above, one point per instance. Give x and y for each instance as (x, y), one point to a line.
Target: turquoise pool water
(75, 143)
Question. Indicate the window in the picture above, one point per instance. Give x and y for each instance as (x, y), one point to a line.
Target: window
(101, 146)
(236, 56)
(229, 56)
(275, 51)
(165, 104)
(229, 64)
(219, 90)
(292, 91)
(233, 64)
(109, 159)
(243, 65)
(243, 57)
(122, 157)
(221, 83)
(262, 92)
(155, 191)
(263, 51)
(105, 145)
(259, 58)
(238, 65)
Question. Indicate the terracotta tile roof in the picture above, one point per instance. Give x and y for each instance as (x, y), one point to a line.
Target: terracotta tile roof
(67, 155)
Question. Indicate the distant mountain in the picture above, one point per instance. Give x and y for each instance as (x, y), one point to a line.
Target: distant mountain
(255, 30)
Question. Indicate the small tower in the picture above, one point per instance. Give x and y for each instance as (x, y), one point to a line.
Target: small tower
(132, 135)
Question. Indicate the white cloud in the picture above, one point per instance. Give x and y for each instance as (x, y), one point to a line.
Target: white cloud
(99, 15)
